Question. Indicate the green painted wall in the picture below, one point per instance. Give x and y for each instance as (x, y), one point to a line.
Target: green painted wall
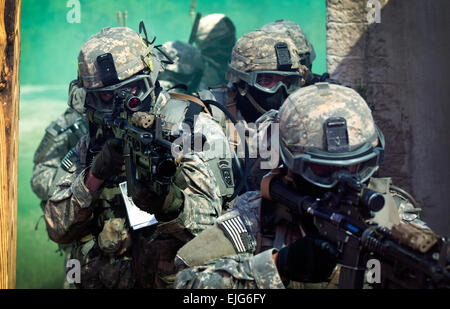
(50, 46)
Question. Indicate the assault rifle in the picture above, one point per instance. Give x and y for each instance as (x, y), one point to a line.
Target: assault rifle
(146, 148)
(409, 257)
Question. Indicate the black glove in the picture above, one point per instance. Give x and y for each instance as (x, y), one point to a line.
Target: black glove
(109, 161)
(309, 259)
(143, 197)
(162, 206)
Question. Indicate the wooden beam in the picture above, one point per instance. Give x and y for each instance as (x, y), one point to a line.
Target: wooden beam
(9, 120)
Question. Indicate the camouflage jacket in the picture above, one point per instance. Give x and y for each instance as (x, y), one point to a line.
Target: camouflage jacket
(112, 255)
(60, 137)
(246, 237)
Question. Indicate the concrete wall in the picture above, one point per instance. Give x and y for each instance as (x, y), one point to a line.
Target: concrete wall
(401, 66)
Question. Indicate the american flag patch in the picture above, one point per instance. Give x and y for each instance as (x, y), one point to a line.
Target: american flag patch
(237, 233)
(68, 161)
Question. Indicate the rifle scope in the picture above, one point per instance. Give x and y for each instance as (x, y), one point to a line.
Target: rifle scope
(372, 200)
(130, 101)
(368, 199)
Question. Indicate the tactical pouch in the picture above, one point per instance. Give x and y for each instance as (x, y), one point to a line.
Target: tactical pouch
(114, 238)
(51, 132)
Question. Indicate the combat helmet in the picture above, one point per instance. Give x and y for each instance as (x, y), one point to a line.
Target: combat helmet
(326, 131)
(266, 61)
(187, 68)
(112, 59)
(215, 34)
(296, 33)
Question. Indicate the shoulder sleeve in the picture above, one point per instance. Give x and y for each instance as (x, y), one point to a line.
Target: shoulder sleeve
(202, 201)
(233, 233)
(217, 152)
(42, 177)
(68, 210)
(56, 143)
(242, 271)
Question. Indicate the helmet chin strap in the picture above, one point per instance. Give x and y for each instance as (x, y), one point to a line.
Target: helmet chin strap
(246, 93)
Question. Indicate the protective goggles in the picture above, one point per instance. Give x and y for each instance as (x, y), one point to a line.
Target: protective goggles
(324, 169)
(270, 81)
(101, 99)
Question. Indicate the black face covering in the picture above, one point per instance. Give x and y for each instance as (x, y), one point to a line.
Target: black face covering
(267, 101)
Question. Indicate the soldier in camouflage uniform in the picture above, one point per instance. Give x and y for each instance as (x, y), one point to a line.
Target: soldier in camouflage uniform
(215, 38)
(266, 66)
(60, 137)
(187, 68)
(257, 244)
(304, 49)
(64, 133)
(86, 207)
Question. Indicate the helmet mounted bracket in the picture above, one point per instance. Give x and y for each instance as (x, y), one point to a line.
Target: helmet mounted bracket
(284, 62)
(336, 135)
(107, 69)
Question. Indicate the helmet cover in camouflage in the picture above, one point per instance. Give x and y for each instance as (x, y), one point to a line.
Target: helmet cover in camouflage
(77, 96)
(215, 30)
(304, 113)
(327, 131)
(128, 50)
(187, 68)
(255, 51)
(295, 32)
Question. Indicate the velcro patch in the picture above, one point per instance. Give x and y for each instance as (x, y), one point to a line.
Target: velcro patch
(68, 162)
(54, 129)
(237, 233)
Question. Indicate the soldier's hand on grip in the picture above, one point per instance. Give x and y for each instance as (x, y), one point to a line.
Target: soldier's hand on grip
(308, 259)
(143, 197)
(109, 161)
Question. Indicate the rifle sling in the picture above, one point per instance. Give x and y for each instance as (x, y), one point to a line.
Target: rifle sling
(192, 111)
(182, 96)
